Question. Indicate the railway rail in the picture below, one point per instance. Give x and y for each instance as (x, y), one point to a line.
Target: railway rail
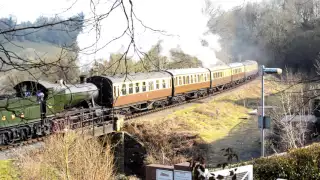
(127, 117)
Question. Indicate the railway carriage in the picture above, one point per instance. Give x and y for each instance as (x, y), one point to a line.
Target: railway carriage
(237, 72)
(221, 76)
(133, 92)
(251, 68)
(190, 82)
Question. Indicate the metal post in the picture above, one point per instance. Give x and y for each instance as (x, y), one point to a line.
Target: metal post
(93, 119)
(262, 111)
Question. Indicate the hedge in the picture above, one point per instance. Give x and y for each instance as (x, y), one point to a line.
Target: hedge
(301, 164)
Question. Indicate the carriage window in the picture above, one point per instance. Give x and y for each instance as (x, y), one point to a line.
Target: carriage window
(201, 77)
(195, 78)
(176, 81)
(144, 87)
(157, 84)
(187, 80)
(170, 83)
(151, 86)
(184, 80)
(137, 87)
(163, 83)
(124, 89)
(180, 80)
(199, 80)
(205, 77)
(191, 78)
(114, 91)
(130, 88)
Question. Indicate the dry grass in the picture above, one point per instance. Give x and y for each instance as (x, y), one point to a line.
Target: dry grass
(162, 140)
(172, 139)
(7, 170)
(68, 157)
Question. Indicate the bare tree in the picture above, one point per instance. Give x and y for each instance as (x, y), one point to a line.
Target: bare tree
(62, 64)
(293, 123)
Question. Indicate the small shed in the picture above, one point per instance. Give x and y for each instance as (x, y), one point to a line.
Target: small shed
(306, 125)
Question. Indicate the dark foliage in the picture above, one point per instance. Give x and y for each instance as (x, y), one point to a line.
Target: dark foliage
(276, 33)
(61, 34)
(297, 164)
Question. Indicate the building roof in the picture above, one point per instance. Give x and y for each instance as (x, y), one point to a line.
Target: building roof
(177, 72)
(43, 84)
(299, 118)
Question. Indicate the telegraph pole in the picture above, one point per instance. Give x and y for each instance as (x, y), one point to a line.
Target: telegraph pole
(262, 111)
(262, 117)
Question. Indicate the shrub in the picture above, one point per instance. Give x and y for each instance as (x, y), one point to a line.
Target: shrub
(68, 157)
(301, 163)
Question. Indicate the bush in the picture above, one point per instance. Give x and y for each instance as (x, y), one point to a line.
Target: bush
(68, 157)
(301, 163)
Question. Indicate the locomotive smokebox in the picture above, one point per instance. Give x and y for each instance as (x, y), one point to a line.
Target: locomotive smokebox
(82, 79)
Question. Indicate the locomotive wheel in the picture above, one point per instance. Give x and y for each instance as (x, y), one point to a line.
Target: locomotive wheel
(46, 129)
(7, 139)
(23, 134)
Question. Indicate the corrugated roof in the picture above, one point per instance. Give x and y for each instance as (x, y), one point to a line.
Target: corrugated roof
(137, 76)
(177, 72)
(299, 118)
(45, 84)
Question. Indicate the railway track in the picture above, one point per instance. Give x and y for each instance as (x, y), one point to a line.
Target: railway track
(130, 117)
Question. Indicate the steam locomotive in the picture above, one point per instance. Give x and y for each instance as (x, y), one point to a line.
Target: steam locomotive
(33, 110)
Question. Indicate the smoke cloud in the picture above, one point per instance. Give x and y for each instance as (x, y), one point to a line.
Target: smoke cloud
(182, 20)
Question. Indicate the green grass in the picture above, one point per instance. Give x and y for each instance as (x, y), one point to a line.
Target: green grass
(7, 170)
(215, 119)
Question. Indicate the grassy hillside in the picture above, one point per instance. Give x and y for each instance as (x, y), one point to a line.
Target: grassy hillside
(33, 52)
(32, 49)
(206, 127)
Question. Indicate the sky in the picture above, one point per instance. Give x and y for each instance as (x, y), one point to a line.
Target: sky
(182, 19)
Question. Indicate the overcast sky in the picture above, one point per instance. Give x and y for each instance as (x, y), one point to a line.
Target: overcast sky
(182, 18)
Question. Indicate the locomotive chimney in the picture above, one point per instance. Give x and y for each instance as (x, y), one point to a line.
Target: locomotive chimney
(82, 79)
